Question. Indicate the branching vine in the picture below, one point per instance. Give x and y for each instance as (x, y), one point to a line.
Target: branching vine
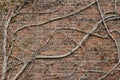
(12, 42)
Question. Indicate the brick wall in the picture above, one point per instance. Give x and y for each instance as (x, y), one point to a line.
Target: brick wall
(97, 56)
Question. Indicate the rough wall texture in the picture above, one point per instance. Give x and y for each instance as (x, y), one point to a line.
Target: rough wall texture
(92, 60)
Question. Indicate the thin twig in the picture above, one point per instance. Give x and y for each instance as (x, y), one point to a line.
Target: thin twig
(94, 71)
(40, 13)
(75, 29)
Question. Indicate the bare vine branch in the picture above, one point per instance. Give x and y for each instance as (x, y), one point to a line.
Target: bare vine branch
(104, 23)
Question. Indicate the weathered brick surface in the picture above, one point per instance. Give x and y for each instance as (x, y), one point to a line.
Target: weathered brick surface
(97, 54)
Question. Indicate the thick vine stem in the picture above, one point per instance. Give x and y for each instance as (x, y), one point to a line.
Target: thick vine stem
(55, 19)
(5, 61)
(116, 43)
(115, 6)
